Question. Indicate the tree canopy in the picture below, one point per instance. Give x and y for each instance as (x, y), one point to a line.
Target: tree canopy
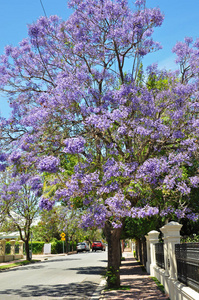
(75, 88)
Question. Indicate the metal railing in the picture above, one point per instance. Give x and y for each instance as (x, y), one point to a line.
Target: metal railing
(16, 248)
(187, 257)
(159, 255)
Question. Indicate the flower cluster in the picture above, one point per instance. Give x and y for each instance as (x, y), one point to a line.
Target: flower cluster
(46, 204)
(180, 213)
(14, 157)
(3, 157)
(35, 183)
(74, 145)
(49, 164)
(143, 212)
(132, 138)
(95, 216)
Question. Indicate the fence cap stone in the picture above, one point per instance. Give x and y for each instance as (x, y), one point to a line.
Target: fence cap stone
(153, 234)
(173, 223)
(172, 228)
(153, 231)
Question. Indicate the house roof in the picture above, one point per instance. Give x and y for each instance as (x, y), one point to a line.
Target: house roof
(10, 236)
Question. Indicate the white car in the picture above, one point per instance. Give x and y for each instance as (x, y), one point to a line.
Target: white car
(82, 247)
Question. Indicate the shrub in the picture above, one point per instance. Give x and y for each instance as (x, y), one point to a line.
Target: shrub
(190, 239)
(37, 247)
(57, 246)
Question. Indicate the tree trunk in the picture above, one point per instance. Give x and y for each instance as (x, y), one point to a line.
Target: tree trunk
(27, 249)
(114, 256)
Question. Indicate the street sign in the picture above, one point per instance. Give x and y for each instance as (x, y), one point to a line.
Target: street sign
(63, 235)
(62, 238)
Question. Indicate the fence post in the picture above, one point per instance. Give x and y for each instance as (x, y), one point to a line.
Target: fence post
(153, 239)
(148, 262)
(21, 248)
(1, 252)
(166, 255)
(3, 248)
(12, 248)
(171, 233)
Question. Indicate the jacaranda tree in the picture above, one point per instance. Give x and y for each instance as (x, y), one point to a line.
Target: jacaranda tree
(19, 194)
(76, 89)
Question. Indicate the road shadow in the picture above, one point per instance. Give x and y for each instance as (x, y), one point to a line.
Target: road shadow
(37, 265)
(88, 270)
(83, 290)
(24, 268)
(58, 260)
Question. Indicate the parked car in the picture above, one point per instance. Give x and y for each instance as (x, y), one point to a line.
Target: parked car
(82, 247)
(98, 245)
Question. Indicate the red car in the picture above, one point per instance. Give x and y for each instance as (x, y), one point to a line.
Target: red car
(98, 246)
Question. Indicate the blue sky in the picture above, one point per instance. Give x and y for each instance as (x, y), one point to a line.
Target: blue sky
(181, 19)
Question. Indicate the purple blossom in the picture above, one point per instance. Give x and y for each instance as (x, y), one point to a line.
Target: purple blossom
(194, 181)
(2, 167)
(179, 213)
(152, 168)
(167, 211)
(14, 157)
(14, 187)
(34, 30)
(3, 157)
(48, 164)
(129, 136)
(140, 2)
(46, 204)
(193, 217)
(143, 212)
(23, 178)
(118, 205)
(95, 216)
(183, 188)
(74, 145)
(35, 183)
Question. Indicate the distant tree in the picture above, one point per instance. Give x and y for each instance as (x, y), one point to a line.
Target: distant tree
(47, 227)
(70, 224)
(19, 196)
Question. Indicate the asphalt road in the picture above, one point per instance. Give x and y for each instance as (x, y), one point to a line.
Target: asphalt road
(64, 277)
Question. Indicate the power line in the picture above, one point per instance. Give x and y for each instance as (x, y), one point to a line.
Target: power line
(43, 8)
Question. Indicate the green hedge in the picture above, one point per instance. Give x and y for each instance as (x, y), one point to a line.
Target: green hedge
(37, 247)
(57, 246)
(8, 248)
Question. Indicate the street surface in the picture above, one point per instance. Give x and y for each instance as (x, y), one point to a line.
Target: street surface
(62, 277)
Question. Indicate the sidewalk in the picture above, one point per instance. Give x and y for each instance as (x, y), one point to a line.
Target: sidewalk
(141, 286)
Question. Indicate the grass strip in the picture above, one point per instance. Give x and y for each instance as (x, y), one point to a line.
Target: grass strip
(122, 288)
(20, 263)
(159, 285)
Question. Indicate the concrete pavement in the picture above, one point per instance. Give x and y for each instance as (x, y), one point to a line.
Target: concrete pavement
(139, 284)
